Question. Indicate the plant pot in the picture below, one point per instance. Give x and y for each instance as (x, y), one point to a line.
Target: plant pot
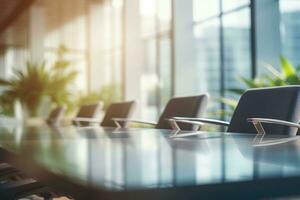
(29, 117)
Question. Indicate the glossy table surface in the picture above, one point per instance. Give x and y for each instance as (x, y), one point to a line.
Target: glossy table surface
(117, 160)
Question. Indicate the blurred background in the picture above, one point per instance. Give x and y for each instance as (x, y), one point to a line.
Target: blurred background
(73, 52)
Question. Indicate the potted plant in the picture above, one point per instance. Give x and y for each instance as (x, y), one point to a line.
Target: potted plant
(35, 83)
(287, 75)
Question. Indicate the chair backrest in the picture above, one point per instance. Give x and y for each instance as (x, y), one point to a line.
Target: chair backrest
(88, 111)
(281, 103)
(56, 115)
(117, 110)
(192, 106)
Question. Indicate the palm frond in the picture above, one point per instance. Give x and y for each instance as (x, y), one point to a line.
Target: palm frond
(238, 91)
(4, 82)
(229, 102)
(251, 83)
(273, 71)
(287, 68)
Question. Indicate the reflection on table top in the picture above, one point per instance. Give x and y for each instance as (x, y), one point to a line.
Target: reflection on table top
(120, 159)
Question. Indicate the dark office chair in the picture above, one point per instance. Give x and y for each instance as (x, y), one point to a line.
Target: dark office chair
(279, 107)
(115, 110)
(56, 115)
(87, 112)
(192, 106)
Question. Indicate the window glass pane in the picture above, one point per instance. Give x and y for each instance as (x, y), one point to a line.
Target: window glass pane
(155, 24)
(208, 60)
(232, 4)
(118, 67)
(148, 14)
(117, 21)
(13, 58)
(149, 81)
(52, 19)
(66, 27)
(204, 9)
(80, 65)
(290, 29)
(105, 43)
(164, 14)
(107, 26)
(165, 72)
(237, 52)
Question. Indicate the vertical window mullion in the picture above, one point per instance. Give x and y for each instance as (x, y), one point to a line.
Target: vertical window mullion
(222, 59)
(123, 51)
(157, 57)
(88, 47)
(112, 43)
(173, 73)
(253, 39)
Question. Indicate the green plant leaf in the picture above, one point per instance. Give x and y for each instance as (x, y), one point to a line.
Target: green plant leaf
(36, 82)
(249, 82)
(238, 91)
(230, 102)
(288, 75)
(287, 68)
(273, 71)
(4, 82)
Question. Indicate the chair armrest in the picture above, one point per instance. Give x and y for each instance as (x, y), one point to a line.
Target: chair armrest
(118, 120)
(174, 123)
(257, 122)
(203, 120)
(77, 120)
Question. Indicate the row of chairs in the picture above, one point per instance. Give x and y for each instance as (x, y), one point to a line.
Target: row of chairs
(89, 114)
(278, 108)
(118, 114)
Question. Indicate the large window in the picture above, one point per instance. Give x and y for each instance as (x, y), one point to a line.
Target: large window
(290, 29)
(213, 41)
(222, 32)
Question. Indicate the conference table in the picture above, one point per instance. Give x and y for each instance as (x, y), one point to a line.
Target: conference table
(108, 163)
